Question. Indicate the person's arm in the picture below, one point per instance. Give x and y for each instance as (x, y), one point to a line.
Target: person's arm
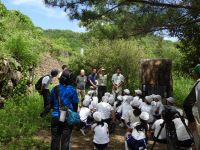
(75, 101)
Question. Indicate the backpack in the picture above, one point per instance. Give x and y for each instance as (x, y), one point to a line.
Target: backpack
(38, 84)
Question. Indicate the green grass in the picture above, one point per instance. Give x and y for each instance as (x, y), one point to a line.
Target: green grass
(182, 85)
(19, 121)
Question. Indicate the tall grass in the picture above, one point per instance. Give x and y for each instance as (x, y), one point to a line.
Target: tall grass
(21, 120)
(182, 85)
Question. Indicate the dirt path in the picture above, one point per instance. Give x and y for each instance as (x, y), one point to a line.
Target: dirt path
(80, 142)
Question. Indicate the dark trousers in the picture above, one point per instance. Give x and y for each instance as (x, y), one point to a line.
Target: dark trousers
(101, 91)
(187, 106)
(60, 135)
(46, 97)
(101, 146)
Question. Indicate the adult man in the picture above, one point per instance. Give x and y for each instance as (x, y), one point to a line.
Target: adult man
(81, 81)
(191, 106)
(117, 82)
(102, 83)
(46, 81)
(63, 95)
(92, 79)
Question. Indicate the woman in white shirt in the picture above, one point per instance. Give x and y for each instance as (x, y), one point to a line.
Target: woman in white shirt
(101, 133)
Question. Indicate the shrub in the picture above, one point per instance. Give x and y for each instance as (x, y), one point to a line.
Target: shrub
(182, 85)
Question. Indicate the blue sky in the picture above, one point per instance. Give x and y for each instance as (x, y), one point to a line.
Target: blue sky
(42, 16)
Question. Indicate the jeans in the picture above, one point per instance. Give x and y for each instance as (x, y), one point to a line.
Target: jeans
(60, 135)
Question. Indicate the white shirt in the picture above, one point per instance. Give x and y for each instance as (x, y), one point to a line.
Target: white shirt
(84, 113)
(137, 135)
(101, 134)
(117, 79)
(105, 109)
(181, 131)
(132, 118)
(156, 127)
(46, 81)
(147, 108)
(126, 107)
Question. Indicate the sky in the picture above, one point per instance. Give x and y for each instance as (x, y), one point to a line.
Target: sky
(48, 17)
(43, 16)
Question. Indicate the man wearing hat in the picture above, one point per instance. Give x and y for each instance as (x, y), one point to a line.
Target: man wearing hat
(191, 106)
(101, 82)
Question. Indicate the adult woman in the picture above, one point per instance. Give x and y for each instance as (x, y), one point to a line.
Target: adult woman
(62, 96)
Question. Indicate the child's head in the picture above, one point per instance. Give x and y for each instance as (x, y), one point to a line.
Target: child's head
(148, 99)
(97, 116)
(157, 98)
(120, 98)
(126, 92)
(86, 102)
(105, 99)
(138, 92)
(170, 101)
(107, 94)
(127, 99)
(135, 103)
(144, 117)
(111, 100)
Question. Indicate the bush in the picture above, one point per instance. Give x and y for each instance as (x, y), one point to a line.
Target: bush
(21, 50)
(21, 119)
(182, 85)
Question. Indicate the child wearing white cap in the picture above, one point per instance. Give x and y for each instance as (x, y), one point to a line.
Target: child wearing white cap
(117, 107)
(157, 106)
(133, 115)
(127, 92)
(137, 138)
(156, 128)
(106, 110)
(126, 107)
(101, 132)
(84, 114)
(147, 107)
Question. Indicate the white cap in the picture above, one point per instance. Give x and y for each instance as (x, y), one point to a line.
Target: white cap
(126, 91)
(111, 100)
(135, 103)
(144, 116)
(149, 99)
(107, 94)
(153, 96)
(170, 99)
(120, 98)
(86, 102)
(138, 92)
(129, 99)
(105, 99)
(158, 97)
(97, 116)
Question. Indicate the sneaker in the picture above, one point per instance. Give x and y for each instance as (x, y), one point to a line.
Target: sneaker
(82, 131)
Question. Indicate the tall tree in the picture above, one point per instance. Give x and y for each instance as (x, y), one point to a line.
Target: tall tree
(125, 18)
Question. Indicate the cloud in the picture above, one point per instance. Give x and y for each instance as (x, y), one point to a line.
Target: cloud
(41, 8)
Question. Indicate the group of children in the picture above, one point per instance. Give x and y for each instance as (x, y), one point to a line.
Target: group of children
(141, 117)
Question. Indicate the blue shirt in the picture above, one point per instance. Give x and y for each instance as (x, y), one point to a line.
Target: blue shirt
(68, 95)
(93, 78)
